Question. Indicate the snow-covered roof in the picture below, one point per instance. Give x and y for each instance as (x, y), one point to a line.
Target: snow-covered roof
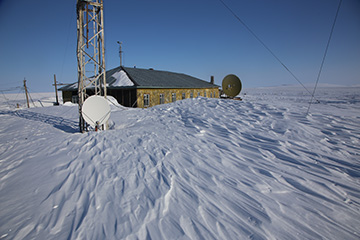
(122, 80)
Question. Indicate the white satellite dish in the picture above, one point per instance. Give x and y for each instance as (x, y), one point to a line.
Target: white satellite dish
(96, 111)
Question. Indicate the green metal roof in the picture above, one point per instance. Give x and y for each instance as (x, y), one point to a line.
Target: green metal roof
(149, 78)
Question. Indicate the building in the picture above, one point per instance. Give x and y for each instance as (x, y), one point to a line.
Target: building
(136, 87)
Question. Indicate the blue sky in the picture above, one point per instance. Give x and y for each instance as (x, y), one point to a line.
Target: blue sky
(200, 38)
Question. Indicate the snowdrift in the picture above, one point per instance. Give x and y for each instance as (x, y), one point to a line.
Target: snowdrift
(195, 169)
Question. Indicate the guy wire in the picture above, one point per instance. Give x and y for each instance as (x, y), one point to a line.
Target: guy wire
(323, 60)
(264, 45)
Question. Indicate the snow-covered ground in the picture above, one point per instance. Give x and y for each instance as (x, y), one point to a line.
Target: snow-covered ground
(195, 169)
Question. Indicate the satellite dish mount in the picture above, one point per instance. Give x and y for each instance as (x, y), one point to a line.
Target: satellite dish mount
(96, 112)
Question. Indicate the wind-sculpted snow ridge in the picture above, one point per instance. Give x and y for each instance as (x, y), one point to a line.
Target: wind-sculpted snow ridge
(195, 169)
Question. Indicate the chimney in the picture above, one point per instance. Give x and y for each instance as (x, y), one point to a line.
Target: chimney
(212, 79)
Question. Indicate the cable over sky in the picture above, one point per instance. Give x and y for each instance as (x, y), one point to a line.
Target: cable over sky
(199, 38)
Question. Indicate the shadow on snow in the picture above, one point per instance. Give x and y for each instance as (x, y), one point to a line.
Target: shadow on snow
(68, 126)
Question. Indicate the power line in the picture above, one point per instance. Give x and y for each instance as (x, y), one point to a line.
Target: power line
(323, 60)
(264, 45)
(11, 89)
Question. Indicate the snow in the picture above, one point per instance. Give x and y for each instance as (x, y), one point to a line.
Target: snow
(122, 80)
(195, 169)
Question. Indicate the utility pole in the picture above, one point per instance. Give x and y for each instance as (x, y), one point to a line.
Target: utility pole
(90, 52)
(120, 52)
(26, 94)
(56, 92)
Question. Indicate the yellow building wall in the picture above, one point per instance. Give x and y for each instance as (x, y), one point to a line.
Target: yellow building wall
(154, 95)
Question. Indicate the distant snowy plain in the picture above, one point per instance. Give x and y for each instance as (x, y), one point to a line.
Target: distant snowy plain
(195, 169)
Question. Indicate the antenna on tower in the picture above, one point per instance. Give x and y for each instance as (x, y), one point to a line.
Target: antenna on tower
(90, 53)
(120, 52)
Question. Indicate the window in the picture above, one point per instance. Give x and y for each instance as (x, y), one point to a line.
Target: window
(146, 100)
(204, 94)
(211, 94)
(162, 98)
(173, 97)
(183, 95)
(198, 94)
(191, 95)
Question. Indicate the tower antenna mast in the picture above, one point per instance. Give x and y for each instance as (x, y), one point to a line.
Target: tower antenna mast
(120, 52)
(90, 52)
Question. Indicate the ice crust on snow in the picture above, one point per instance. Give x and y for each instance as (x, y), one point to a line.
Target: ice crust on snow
(194, 169)
(122, 80)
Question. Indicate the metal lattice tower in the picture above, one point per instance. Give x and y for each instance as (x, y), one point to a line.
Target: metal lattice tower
(90, 52)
